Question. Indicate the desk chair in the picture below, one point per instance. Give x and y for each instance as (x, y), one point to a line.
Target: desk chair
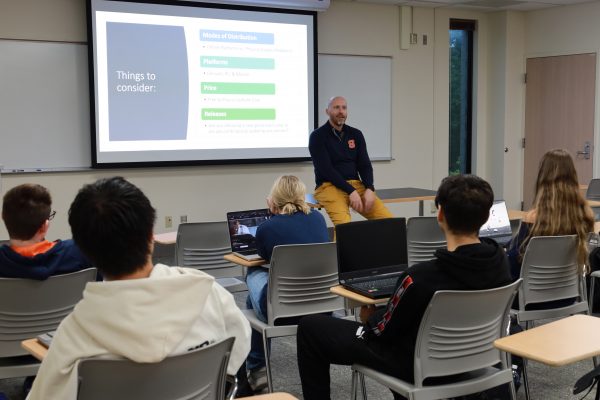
(515, 225)
(29, 308)
(424, 236)
(452, 342)
(202, 245)
(593, 190)
(549, 273)
(300, 277)
(197, 374)
(593, 276)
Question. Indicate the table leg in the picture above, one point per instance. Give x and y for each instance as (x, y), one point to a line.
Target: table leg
(525, 380)
(421, 208)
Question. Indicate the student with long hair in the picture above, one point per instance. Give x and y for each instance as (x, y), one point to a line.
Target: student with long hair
(293, 222)
(558, 209)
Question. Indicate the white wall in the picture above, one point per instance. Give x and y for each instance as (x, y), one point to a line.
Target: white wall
(419, 100)
(506, 105)
(567, 30)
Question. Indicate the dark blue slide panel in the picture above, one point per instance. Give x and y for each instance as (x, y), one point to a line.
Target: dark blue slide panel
(147, 82)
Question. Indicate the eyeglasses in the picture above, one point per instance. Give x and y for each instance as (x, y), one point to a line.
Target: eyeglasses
(52, 214)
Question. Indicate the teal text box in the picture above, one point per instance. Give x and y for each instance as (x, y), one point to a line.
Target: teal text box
(237, 62)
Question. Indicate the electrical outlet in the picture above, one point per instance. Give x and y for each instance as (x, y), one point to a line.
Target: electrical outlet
(168, 221)
(183, 219)
(413, 38)
(424, 40)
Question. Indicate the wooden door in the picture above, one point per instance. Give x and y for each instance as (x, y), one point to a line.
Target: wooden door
(559, 113)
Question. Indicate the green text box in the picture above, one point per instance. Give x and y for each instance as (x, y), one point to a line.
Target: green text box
(237, 62)
(237, 88)
(234, 114)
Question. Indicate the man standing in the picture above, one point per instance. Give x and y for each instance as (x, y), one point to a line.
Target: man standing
(385, 340)
(343, 170)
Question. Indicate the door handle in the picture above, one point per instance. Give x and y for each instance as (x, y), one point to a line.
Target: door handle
(587, 151)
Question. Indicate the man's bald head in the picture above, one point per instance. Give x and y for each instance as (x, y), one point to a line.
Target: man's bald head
(337, 110)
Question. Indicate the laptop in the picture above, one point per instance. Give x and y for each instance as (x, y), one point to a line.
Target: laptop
(372, 255)
(497, 226)
(242, 231)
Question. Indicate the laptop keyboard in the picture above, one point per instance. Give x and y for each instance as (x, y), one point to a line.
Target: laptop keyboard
(380, 284)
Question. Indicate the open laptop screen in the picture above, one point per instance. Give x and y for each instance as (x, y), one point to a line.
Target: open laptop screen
(242, 228)
(498, 223)
(369, 247)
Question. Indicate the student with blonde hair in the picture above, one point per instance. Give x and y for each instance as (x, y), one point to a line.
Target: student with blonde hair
(293, 222)
(558, 209)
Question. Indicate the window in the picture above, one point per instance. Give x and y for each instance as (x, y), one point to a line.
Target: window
(461, 85)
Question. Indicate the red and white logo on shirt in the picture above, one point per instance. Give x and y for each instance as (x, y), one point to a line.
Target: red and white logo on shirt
(351, 143)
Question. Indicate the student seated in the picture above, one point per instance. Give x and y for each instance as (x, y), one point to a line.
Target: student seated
(293, 222)
(142, 312)
(385, 340)
(26, 212)
(558, 209)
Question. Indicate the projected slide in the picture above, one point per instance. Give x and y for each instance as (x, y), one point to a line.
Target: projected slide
(208, 84)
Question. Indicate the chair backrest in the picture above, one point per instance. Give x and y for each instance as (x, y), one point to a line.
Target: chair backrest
(202, 245)
(515, 225)
(458, 330)
(593, 190)
(549, 270)
(596, 211)
(423, 236)
(197, 374)
(371, 244)
(29, 307)
(300, 277)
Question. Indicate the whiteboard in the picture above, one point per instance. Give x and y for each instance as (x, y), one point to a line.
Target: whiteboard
(44, 106)
(45, 109)
(366, 83)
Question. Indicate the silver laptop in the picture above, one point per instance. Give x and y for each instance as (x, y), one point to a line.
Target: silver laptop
(497, 226)
(242, 231)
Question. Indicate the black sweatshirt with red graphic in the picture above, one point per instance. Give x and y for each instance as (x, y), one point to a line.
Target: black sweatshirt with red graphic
(470, 267)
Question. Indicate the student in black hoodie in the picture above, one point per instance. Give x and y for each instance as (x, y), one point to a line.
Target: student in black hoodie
(385, 340)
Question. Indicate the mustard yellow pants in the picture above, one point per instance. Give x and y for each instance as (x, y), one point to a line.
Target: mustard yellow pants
(336, 203)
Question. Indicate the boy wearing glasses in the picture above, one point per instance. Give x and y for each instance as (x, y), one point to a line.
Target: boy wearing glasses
(26, 212)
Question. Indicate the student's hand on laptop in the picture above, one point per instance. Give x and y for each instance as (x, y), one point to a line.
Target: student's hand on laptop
(369, 199)
(365, 313)
(355, 201)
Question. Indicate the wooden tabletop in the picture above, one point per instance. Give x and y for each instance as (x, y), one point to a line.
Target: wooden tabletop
(397, 195)
(516, 214)
(401, 195)
(35, 348)
(166, 238)
(245, 263)
(356, 299)
(558, 343)
(271, 396)
(593, 203)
